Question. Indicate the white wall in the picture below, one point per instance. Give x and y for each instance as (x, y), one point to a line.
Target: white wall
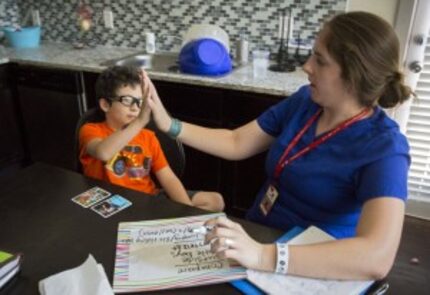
(384, 8)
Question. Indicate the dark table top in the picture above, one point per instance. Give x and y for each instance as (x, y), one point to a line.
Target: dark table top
(407, 277)
(38, 219)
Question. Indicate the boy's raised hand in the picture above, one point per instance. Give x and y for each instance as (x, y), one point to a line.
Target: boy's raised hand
(144, 84)
(161, 117)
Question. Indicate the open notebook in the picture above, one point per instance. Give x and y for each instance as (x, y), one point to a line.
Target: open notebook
(167, 253)
(287, 284)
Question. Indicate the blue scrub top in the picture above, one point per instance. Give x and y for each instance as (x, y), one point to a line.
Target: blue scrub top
(328, 186)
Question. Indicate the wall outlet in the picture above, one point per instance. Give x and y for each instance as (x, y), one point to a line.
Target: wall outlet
(108, 18)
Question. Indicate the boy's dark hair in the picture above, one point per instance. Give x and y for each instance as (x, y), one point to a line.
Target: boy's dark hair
(111, 79)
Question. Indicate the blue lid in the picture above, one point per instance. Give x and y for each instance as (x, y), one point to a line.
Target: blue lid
(209, 52)
(206, 57)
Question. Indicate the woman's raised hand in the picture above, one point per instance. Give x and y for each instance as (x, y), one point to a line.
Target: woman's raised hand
(161, 117)
(145, 111)
(229, 240)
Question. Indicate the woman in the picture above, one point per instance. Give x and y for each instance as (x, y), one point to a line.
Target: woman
(335, 159)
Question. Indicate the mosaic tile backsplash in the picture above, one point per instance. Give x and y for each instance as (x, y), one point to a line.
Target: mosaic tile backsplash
(256, 20)
(8, 12)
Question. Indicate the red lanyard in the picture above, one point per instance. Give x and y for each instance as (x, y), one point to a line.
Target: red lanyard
(284, 161)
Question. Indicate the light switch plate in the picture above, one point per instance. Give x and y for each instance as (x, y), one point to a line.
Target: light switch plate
(108, 18)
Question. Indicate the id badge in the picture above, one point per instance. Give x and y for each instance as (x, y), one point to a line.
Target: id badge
(269, 199)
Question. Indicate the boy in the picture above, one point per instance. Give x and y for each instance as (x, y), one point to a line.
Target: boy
(120, 151)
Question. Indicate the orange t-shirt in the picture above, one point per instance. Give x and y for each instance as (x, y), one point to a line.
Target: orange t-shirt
(131, 166)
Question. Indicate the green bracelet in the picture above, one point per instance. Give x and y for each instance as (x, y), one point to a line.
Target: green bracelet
(175, 128)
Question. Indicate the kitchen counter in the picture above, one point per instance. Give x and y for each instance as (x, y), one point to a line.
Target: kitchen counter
(64, 56)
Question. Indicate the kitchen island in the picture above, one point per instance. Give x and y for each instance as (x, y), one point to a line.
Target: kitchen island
(64, 56)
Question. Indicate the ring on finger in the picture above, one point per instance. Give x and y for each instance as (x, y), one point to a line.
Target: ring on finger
(228, 243)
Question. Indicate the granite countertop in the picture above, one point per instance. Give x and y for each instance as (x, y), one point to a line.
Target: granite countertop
(64, 56)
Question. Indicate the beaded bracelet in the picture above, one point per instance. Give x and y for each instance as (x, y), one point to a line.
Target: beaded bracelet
(175, 128)
(282, 258)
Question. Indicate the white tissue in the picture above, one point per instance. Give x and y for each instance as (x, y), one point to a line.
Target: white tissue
(86, 279)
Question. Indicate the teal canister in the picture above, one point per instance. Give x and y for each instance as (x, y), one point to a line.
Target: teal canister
(26, 37)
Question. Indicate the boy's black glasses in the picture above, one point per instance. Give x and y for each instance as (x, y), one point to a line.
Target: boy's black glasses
(128, 100)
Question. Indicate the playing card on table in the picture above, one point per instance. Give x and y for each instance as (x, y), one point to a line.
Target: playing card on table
(111, 206)
(91, 196)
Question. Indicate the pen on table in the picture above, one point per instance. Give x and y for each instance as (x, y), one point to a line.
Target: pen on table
(381, 289)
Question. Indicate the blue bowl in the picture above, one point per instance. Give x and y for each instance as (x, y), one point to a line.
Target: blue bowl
(27, 37)
(206, 57)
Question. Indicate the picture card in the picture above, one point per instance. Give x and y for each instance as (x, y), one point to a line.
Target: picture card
(91, 196)
(111, 206)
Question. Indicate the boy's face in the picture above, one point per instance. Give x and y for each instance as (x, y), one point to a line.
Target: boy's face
(118, 114)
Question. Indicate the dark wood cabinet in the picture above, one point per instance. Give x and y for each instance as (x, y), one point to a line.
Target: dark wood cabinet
(202, 106)
(243, 179)
(90, 80)
(50, 104)
(12, 152)
(192, 102)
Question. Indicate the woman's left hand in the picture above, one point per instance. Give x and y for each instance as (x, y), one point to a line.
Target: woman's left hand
(229, 240)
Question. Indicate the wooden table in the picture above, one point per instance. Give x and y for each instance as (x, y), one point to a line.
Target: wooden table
(38, 219)
(406, 277)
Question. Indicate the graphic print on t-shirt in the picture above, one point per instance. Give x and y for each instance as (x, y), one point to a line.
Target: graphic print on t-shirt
(130, 161)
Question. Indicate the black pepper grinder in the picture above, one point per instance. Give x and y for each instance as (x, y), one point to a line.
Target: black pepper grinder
(284, 63)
